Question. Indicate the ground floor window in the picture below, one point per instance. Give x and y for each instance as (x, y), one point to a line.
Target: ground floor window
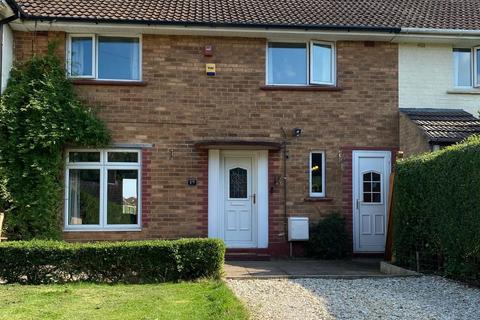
(317, 174)
(102, 189)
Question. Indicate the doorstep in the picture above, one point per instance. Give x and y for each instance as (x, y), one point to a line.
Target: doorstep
(247, 255)
(300, 268)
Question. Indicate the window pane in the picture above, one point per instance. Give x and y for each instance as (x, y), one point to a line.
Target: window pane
(462, 66)
(287, 63)
(81, 57)
(367, 176)
(367, 187)
(317, 173)
(83, 156)
(122, 157)
(118, 58)
(477, 53)
(321, 63)
(84, 197)
(238, 183)
(367, 197)
(376, 197)
(122, 197)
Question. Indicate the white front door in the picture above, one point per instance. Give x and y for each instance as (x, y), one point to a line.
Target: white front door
(371, 174)
(238, 197)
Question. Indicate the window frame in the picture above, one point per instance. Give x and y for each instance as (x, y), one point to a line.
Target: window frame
(69, 55)
(371, 192)
(476, 81)
(309, 71)
(103, 165)
(95, 37)
(324, 187)
(333, 65)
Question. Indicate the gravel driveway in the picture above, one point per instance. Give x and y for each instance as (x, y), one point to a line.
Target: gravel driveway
(386, 298)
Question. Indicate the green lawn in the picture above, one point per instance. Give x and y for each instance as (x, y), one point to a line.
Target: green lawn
(197, 300)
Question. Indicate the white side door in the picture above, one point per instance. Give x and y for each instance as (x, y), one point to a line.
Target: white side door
(371, 174)
(239, 202)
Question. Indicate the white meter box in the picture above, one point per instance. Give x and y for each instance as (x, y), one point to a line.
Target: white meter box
(298, 229)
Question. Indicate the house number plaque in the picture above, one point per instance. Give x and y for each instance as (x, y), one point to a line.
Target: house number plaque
(192, 182)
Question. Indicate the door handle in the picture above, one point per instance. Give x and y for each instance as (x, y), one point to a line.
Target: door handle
(254, 198)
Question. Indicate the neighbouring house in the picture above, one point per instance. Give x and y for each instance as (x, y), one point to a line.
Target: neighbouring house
(427, 129)
(229, 117)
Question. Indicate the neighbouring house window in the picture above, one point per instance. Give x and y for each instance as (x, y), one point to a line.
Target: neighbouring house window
(102, 190)
(477, 66)
(301, 63)
(466, 67)
(462, 67)
(104, 58)
(317, 174)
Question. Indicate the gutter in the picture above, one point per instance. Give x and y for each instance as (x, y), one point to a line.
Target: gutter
(8, 19)
(187, 24)
(450, 32)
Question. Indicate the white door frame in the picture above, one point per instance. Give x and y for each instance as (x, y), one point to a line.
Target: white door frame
(356, 154)
(216, 194)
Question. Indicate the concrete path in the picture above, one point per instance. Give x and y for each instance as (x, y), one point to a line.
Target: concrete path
(354, 268)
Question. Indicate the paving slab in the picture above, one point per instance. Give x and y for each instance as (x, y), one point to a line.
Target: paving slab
(352, 268)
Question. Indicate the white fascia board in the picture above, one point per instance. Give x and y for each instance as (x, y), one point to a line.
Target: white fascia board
(414, 35)
(254, 32)
(446, 32)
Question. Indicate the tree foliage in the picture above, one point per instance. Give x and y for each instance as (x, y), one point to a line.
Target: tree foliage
(40, 114)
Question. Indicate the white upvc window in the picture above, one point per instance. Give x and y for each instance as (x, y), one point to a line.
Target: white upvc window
(466, 69)
(476, 66)
(103, 57)
(301, 63)
(103, 190)
(317, 174)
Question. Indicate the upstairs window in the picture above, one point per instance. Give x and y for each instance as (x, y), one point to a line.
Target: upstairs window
(301, 63)
(466, 69)
(104, 58)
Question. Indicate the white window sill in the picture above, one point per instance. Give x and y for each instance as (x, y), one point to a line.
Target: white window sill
(103, 230)
(464, 91)
(80, 81)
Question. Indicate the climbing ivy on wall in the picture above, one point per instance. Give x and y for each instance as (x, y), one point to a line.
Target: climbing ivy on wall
(40, 115)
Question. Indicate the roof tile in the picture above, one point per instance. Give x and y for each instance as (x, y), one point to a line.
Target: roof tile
(444, 125)
(438, 14)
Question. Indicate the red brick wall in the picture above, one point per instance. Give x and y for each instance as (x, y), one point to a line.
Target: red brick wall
(180, 105)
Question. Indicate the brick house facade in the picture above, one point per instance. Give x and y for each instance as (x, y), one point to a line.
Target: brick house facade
(177, 105)
(196, 134)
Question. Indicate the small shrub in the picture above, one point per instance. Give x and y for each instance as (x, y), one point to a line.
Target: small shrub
(40, 261)
(328, 238)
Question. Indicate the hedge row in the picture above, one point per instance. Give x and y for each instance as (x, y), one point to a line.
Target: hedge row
(437, 211)
(39, 262)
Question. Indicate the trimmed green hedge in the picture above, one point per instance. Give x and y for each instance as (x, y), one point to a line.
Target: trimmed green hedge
(437, 211)
(38, 262)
